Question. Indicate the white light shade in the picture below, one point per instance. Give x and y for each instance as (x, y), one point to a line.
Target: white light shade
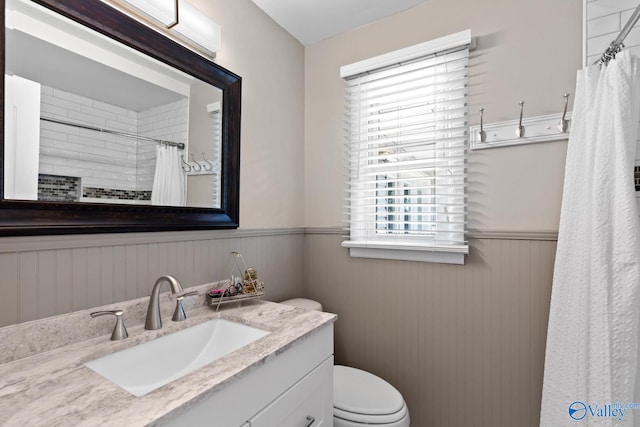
(198, 28)
(163, 12)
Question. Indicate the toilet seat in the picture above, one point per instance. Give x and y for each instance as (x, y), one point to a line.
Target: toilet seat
(363, 398)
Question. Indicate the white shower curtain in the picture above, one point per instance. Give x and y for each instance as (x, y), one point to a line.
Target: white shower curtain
(592, 340)
(168, 181)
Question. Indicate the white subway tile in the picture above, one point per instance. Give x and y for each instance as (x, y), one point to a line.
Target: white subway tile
(113, 109)
(63, 103)
(55, 134)
(101, 114)
(53, 111)
(118, 126)
(604, 25)
(77, 99)
(625, 15)
(86, 119)
(45, 169)
(601, 8)
(633, 38)
(597, 45)
(46, 90)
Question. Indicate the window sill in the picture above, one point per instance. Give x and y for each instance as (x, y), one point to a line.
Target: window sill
(444, 255)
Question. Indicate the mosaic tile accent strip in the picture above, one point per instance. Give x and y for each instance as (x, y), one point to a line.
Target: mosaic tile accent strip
(57, 188)
(112, 193)
(636, 177)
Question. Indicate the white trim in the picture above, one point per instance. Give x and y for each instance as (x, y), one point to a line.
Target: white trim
(463, 249)
(408, 255)
(37, 243)
(475, 234)
(445, 255)
(584, 33)
(409, 53)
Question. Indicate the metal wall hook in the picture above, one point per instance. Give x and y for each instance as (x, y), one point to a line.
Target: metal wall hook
(563, 126)
(185, 166)
(196, 169)
(210, 168)
(482, 135)
(520, 128)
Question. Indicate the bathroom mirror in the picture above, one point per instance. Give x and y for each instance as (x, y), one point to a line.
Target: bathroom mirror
(113, 104)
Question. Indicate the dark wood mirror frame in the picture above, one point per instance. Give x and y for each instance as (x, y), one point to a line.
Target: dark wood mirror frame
(46, 218)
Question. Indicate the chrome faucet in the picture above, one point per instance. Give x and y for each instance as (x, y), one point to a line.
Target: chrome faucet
(153, 312)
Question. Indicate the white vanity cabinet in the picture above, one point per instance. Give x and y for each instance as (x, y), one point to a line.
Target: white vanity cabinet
(292, 388)
(308, 403)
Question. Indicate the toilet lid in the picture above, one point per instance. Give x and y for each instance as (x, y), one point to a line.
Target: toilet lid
(363, 397)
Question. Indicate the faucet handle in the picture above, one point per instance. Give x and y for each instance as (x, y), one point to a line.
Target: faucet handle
(119, 330)
(179, 315)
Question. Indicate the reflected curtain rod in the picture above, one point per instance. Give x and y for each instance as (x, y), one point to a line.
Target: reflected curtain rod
(180, 145)
(616, 45)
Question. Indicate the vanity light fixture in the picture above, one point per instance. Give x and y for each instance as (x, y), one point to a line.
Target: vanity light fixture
(180, 19)
(161, 12)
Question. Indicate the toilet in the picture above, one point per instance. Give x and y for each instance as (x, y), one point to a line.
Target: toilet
(359, 397)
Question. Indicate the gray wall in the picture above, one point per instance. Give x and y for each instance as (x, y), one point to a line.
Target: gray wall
(463, 344)
(526, 50)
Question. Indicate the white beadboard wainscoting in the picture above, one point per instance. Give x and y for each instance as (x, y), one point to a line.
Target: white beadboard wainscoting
(463, 344)
(50, 275)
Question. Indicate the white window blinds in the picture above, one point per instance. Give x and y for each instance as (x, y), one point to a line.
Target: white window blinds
(407, 140)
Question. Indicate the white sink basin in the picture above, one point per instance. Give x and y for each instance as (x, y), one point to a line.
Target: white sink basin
(151, 365)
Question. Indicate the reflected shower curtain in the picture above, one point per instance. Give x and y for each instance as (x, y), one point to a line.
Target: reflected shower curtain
(168, 181)
(592, 340)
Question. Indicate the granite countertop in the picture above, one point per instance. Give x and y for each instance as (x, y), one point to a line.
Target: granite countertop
(43, 380)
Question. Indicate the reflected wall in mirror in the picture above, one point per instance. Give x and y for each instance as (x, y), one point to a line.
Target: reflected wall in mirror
(91, 120)
(108, 123)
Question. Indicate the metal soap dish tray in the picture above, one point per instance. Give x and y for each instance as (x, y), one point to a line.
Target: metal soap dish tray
(240, 287)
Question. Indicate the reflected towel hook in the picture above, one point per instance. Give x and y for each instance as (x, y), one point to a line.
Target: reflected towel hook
(210, 168)
(196, 169)
(481, 133)
(520, 128)
(563, 126)
(185, 164)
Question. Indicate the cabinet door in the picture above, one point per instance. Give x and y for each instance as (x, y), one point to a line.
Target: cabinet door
(309, 402)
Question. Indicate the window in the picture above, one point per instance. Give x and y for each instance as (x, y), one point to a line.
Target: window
(407, 141)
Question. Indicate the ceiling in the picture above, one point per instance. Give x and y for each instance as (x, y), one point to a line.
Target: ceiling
(310, 21)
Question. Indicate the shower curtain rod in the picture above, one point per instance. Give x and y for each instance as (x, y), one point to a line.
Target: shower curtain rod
(616, 45)
(180, 145)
